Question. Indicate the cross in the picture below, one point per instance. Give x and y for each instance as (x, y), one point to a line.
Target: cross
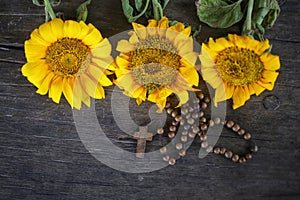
(142, 137)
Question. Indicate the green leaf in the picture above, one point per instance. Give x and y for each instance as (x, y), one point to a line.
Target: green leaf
(138, 5)
(128, 10)
(82, 11)
(164, 3)
(41, 2)
(219, 13)
(266, 12)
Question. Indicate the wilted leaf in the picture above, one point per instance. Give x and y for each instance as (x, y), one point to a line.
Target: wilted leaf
(138, 5)
(219, 13)
(82, 11)
(41, 2)
(128, 10)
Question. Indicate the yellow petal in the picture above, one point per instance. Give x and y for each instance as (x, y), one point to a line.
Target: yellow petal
(57, 26)
(37, 38)
(257, 88)
(134, 39)
(187, 31)
(100, 93)
(183, 97)
(45, 31)
(102, 50)
(140, 30)
(124, 46)
(67, 90)
(89, 84)
(85, 30)
(186, 47)
(220, 93)
(45, 83)
(152, 23)
(56, 89)
(238, 97)
(121, 62)
(190, 74)
(71, 29)
(104, 81)
(271, 62)
(34, 52)
(266, 85)
(229, 90)
(35, 72)
(270, 76)
(163, 23)
(177, 27)
(93, 38)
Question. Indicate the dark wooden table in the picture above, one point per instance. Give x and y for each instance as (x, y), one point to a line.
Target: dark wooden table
(42, 156)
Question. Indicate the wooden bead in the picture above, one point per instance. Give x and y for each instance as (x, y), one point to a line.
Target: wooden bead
(160, 131)
(163, 150)
(171, 134)
(184, 111)
(236, 128)
(201, 114)
(166, 158)
(182, 122)
(217, 150)
(178, 118)
(174, 123)
(192, 135)
(203, 137)
(209, 149)
(172, 161)
(195, 115)
(228, 154)
(242, 160)
(217, 120)
(184, 132)
(241, 132)
(182, 153)
(230, 124)
(169, 110)
(248, 156)
(254, 148)
(235, 158)
(201, 96)
(211, 123)
(206, 99)
(247, 136)
(202, 119)
(179, 146)
(203, 105)
(174, 113)
(204, 144)
(184, 138)
(195, 129)
(222, 150)
(172, 128)
(203, 127)
(191, 121)
(168, 105)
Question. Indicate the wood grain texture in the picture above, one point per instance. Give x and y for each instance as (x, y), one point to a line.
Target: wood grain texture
(42, 156)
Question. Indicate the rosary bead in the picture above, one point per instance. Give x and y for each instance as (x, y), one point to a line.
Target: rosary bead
(206, 99)
(183, 138)
(254, 148)
(247, 136)
(235, 158)
(217, 120)
(184, 111)
(185, 132)
(192, 135)
(204, 144)
(196, 101)
(187, 116)
(216, 150)
(201, 96)
(209, 149)
(190, 121)
(174, 123)
(241, 132)
(160, 131)
(172, 128)
(169, 110)
(203, 105)
(191, 109)
(182, 122)
(236, 128)
(172, 161)
(178, 118)
(166, 158)
(179, 146)
(163, 150)
(230, 124)
(228, 154)
(187, 127)
(242, 160)
(168, 105)
(174, 113)
(223, 121)
(203, 137)
(203, 127)
(195, 115)
(222, 150)
(171, 134)
(248, 156)
(203, 119)
(182, 153)
(195, 129)
(211, 123)
(201, 114)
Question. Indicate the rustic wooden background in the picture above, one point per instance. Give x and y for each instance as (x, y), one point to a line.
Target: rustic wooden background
(42, 157)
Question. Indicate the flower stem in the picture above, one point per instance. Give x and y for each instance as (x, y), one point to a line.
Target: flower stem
(144, 10)
(157, 10)
(248, 21)
(49, 10)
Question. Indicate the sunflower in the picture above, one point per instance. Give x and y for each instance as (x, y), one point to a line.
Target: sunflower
(238, 67)
(70, 58)
(157, 61)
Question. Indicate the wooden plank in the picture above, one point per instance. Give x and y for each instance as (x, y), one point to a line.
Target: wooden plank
(42, 156)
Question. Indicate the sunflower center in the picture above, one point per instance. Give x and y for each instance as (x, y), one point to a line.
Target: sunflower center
(67, 56)
(239, 66)
(154, 62)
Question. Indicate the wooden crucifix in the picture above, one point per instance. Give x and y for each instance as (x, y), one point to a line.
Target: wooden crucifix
(142, 136)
